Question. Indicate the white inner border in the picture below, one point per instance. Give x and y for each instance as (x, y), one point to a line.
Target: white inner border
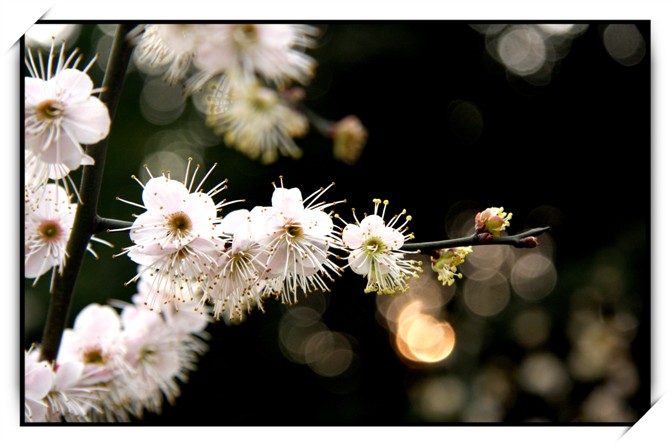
(14, 22)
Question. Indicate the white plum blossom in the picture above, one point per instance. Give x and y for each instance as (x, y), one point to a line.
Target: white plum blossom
(49, 216)
(176, 239)
(375, 251)
(94, 340)
(61, 114)
(168, 48)
(75, 393)
(259, 122)
(275, 52)
(152, 353)
(236, 282)
(298, 235)
(38, 382)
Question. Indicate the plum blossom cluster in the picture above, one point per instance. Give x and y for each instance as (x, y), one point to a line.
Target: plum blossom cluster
(60, 115)
(112, 366)
(249, 74)
(284, 250)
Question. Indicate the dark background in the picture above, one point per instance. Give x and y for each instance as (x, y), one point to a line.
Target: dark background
(577, 148)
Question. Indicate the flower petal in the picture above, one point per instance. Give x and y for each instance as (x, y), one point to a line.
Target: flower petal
(164, 195)
(288, 201)
(352, 236)
(72, 85)
(88, 121)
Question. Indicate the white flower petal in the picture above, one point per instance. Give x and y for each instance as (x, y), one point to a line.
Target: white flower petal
(352, 236)
(316, 223)
(88, 121)
(235, 220)
(68, 374)
(164, 195)
(98, 321)
(288, 201)
(72, 85)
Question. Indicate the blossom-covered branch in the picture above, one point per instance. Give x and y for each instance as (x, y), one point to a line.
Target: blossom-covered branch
(83, 226)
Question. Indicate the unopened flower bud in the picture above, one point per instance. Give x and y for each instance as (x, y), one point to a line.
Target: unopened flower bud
(349, 138)
(484, 237)
(528, 242)
(492, 221)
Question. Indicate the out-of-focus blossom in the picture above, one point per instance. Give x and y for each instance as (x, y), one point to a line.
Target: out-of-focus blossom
(257, 121)
(272, 51)
(37, 384)
(349, 138)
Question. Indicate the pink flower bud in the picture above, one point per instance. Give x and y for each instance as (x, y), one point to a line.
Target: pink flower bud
(492, 221)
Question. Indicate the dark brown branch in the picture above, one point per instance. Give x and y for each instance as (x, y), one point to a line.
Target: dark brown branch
(85, 219)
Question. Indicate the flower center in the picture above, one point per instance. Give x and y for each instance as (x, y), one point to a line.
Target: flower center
(50, 230)
(179, 223)
(49, 109)
(294, 230)
(263, 99)
(245, 35)
(93, 357)
(374, 245)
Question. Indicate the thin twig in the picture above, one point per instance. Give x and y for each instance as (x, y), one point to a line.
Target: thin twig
(103, 224)
(474, 240)
(85, 218)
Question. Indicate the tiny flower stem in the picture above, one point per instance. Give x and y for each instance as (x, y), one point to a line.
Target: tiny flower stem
(102, 224)
(324, 126)
(85, 219)
(473, 240)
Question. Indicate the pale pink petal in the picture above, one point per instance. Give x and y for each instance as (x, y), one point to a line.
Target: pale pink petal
(316, 223)
(263, 222)
(359, 262)
(148, 227)
(62, 150)
(88, 121)
(35, 91)
(98, 321)
(201, 209)
(392, 238)
(68, 374)
(38, 381)
(72, 85)
(235, 220)
(352, 236)
(38, 263)
(372, 225)
(179, 38)
(288, 201)
(164, 195)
